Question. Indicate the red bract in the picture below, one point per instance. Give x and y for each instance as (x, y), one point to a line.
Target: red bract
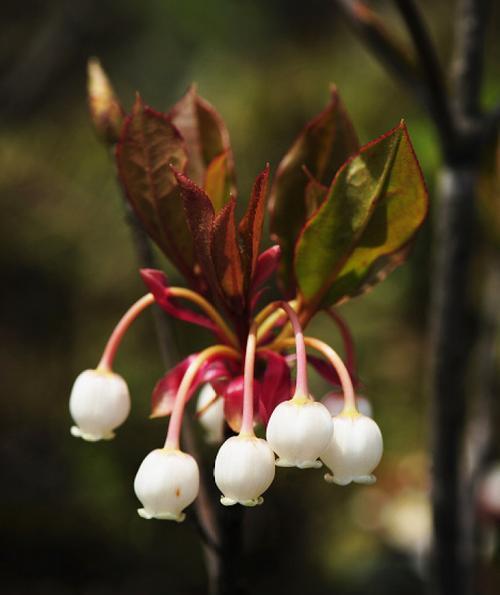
(157, 283)
(276, 384)
(165, 391)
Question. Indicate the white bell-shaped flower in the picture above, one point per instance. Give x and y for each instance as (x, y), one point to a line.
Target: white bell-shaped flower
(298, 431)
(355, 449)
(167, 481)
(334, 402)
(244, 469)
(211, 414)
(99, 403)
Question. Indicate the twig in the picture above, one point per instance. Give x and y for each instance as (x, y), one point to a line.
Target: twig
(373, 32)
(481, 434)
(419, 75)
(437, 98)
(451, 339)
(469, 52)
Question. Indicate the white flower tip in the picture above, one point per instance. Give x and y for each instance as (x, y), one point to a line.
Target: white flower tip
(316, 464)
(225, 501)
(78, 433)
(161, 516)
(344, 481)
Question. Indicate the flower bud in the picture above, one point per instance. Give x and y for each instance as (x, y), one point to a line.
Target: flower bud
(334, 402)
(105, 109)
(99, 403)
(354, 451)
(211, 414)
(298, 431)
(244, 469)
(167, 481)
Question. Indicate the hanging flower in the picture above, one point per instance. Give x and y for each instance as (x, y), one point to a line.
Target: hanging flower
(210, 411)
(244, 469)
(166, 483)
(355, 449)
(298, 431)
(99, 403)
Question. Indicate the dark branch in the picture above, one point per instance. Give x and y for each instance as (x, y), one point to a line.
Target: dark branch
(372, 31)
(437, 99)
(469, 53)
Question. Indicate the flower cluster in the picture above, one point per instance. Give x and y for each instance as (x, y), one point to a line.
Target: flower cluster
(299, 431)
(342, 217)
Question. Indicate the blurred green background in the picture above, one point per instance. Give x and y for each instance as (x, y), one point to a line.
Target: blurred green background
(67, 508)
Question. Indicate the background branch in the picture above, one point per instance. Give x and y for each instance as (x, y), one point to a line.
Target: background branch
(463, 134)
(469, 51)
(436, 95)
(374, 34)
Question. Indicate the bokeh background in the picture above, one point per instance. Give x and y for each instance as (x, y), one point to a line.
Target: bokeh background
(68, 270)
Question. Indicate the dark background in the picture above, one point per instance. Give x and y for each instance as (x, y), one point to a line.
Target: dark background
(67, 508)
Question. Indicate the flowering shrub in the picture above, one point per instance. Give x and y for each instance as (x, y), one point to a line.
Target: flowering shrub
(342, 217)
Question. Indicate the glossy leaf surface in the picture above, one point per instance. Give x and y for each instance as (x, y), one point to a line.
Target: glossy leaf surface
(321, 148)
(364, 226)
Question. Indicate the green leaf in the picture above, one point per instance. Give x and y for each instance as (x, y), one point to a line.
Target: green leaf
(149, 145)
(206, 138)
(318, 152)
(364, 226)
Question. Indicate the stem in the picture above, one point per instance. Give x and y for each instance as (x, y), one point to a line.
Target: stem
(301, 386)
(247, 420)
(437, 97)
(106, 362)
(350, 352)
(451, 340)
(334, 358)
(469, 56)
(174, 427)
(374, 33)
(210, 311)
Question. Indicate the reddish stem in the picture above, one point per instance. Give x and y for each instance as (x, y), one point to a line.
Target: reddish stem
(301, 386)
(121, 328)
(174, 427)
(247, 420)
(345, 332)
